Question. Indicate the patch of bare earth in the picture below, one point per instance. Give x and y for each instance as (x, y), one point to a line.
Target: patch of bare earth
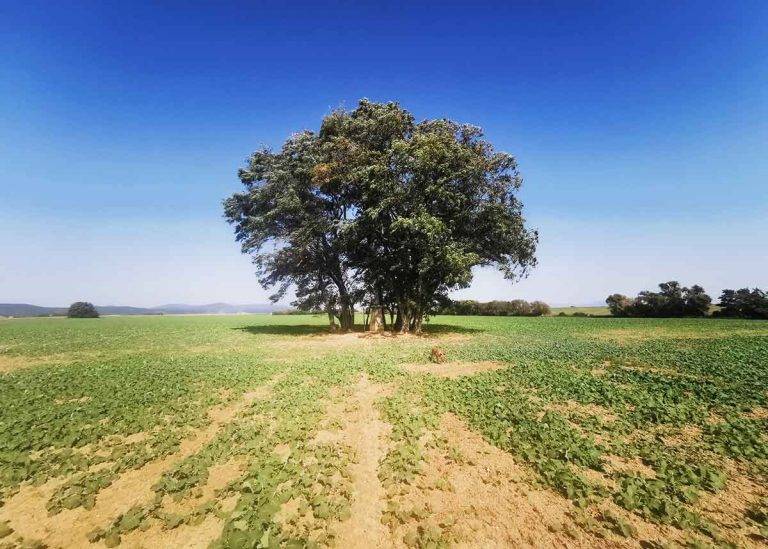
(758, 413)
(728, 506)
(11, 363)
(187, 535)
(454, 369)
(481, 497)
(628, 465)
(27, 514)
(684, 436)
(366, 434)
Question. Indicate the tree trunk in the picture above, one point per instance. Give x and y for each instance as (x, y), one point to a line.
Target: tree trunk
(376, 323)
(398, 322)
(382, 310)
(346, 316)
(332, 319)
(404, 316)
(416, 322)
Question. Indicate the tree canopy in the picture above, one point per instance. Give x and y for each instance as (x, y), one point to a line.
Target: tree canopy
(82, 309)
(743, 303)
(672, 300)
(379, 210)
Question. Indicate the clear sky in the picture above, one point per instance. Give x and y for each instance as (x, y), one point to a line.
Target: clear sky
(641, 129)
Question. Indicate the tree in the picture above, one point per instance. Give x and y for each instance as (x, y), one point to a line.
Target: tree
(433, 200)
(672, 301)
(377, 202)
(744, 303)
(539, 308)
(82, 309)
(290, 220)
(618, 304)
(696, 301)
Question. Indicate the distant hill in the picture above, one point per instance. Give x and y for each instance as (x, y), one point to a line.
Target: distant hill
(215, 308)
(25, 309)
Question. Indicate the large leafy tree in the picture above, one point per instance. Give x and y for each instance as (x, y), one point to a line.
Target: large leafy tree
(405, 209)
(290, 221)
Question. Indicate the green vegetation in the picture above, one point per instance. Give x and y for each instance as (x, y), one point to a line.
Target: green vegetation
(379, 210)
(744, 303)
(516, 307)
(672, 301)
(636, 425)
(82, 309)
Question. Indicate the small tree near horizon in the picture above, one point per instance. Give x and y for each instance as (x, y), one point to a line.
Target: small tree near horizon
(82, 309)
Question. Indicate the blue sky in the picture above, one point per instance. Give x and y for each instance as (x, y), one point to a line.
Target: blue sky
(641, 130)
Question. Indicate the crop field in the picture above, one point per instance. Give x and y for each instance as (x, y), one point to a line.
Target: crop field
(268, 431)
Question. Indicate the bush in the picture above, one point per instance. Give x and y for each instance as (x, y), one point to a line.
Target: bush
(82, 309)
(580, 313)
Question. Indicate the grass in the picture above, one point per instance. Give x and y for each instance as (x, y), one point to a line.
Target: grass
(244, 431)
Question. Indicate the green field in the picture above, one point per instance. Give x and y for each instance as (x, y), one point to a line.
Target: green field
(257, 430)
(598, 311)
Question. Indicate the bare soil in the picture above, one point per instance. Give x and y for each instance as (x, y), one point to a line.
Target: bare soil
(366, 434)
(28, 516)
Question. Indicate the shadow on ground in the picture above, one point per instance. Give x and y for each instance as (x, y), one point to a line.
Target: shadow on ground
(319, 330)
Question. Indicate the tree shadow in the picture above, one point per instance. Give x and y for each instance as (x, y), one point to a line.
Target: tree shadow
(428, 330)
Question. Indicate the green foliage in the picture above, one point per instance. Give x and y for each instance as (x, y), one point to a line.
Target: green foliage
(743, 303)
(376, 207)
(672, 301)
(82, 309)
(516, 307)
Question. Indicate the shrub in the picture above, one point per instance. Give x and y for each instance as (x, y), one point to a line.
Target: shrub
(82, 309)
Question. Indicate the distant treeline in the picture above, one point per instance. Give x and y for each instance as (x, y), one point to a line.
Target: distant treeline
(516, 307)
(744, 303)
(674, 300)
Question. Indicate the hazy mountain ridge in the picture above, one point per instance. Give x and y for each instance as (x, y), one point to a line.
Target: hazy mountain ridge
(26, 309)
